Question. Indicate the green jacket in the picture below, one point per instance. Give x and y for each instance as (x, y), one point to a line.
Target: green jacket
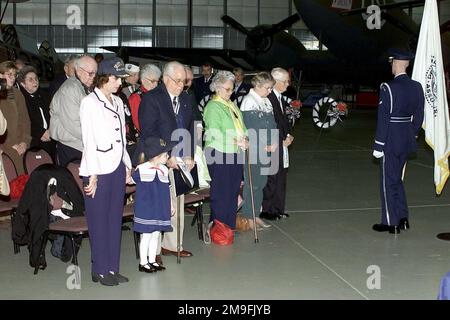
(220, 131)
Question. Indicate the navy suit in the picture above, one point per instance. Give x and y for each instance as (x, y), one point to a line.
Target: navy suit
(157, 118)
(400, 116)
(239, 93)
(275, 189)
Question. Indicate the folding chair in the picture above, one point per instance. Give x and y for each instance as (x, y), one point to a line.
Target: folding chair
(34, 157)
(6, 203)
(196, 201)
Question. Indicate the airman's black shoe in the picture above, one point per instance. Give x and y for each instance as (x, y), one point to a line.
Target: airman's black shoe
(383, 227)
(404, 224)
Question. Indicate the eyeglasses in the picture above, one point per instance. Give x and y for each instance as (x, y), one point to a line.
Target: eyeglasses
(35, 79)
(178, 82)
(10, 74)
(285, 81)
(90, 73)
(227, 89)
(152, 80)
(268, 88)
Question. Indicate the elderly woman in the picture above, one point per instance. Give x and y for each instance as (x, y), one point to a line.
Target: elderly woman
(38, 110)
(259, 120)
(15, 141)
(150, 75)
(105, 167)
(225, 140)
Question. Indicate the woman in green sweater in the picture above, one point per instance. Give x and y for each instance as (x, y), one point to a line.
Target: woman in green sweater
(225, 142)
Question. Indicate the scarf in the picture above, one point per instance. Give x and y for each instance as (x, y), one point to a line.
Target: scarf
(235, 114)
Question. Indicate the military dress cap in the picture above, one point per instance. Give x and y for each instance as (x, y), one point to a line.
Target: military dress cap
(400, 54)
(113, 66)
(153, 147)
(131, 68)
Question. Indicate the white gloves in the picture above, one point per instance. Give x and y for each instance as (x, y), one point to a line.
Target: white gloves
(378, 154)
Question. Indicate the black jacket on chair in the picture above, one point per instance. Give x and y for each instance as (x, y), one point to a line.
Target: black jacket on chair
(32, 216)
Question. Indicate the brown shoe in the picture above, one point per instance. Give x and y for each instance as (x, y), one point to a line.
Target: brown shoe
(159, 260)
(183, 254)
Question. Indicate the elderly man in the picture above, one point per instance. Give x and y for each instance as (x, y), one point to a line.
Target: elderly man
(240, 87)
(131, 82)
(150, 75)
(275, 190)
(69, 71)
(65, 125)
(162, 111)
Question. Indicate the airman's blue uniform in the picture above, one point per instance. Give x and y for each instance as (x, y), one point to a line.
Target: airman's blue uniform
(400, 116)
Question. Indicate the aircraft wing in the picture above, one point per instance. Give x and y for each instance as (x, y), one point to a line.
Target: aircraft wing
(387, 6)
(219, 58)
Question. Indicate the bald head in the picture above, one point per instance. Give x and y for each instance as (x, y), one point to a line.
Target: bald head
(85, 69)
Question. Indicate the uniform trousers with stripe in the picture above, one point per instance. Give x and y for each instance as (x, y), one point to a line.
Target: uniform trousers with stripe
(393, 198)
(104, 217)
(226, 177)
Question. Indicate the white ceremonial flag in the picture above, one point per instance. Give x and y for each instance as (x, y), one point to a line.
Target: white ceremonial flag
(429, 71)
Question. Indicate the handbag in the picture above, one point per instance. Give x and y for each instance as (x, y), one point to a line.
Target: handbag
(17, 186)
(242, 224)
(221, 234)
(4, 184)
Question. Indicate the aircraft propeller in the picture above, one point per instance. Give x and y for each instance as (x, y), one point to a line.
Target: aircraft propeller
(259, 39)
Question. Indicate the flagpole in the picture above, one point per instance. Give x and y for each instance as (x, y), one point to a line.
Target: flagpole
(429, 71)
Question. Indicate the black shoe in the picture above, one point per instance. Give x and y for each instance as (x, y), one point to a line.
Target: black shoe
(383, 227)
(106, 280)
(269, 216)
(151, 269)
(404, 223)
(157, 266)
(283, 215)
(120, 278)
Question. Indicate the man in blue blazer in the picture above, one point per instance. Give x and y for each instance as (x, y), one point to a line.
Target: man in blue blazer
(162, 111)
(201, 84)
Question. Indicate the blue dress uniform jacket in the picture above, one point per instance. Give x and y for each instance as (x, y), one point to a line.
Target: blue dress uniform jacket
(104, 136)
(400, 116)
(201, 88)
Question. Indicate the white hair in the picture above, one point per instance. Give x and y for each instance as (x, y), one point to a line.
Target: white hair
(81, 61)
(170, 67)
(150, 69)
(220, 78)
(279, 73)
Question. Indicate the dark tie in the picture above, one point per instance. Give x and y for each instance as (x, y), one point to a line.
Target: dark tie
(175, 104)
(281, 104)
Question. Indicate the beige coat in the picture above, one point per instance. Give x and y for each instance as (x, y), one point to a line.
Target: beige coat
(15, 112)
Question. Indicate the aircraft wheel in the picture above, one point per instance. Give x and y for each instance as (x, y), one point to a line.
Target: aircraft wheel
(322, 113)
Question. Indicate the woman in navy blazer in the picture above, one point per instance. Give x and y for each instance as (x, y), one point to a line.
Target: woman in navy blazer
(105, 167)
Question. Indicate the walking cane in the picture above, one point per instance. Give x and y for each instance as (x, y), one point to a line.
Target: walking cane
(173, 194)
(247, 159)
(178, 229)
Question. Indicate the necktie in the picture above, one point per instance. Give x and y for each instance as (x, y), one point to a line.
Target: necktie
(281, 104)
(175, 105)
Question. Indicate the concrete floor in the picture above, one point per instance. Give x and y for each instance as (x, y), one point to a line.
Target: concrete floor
(325, 250)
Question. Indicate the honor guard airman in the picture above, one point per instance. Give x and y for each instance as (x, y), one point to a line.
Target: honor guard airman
(400, 116)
